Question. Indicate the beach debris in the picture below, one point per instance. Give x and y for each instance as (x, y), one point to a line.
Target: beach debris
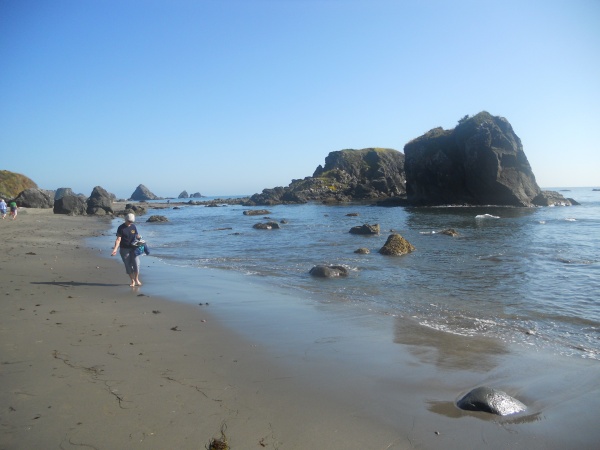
(30, 253)
(155, 311)
(490, 400)
(175, 328)
(396, 245)
(365, 229)
(328, 271)
(220, 443)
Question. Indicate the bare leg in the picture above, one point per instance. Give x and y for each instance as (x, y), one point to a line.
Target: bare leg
(137, 279)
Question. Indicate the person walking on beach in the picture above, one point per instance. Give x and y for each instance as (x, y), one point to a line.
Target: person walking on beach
(2, 208)
(13, 210)
(127, 235)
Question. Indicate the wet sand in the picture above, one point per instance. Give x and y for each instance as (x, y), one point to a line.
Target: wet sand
(87, 361)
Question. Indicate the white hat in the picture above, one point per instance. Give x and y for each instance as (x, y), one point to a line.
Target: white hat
(130, 217)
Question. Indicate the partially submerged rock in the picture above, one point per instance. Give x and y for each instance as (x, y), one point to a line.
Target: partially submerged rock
(266, 226)
(490, 400)
(362, 251)
(365, 229)
(257, 212)
(157, 218)
(396, 245)
(328, 271)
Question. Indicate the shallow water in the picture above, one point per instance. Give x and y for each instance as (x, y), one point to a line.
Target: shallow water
(525, 276)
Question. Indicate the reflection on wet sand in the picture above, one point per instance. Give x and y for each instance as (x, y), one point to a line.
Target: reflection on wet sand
(447, 350)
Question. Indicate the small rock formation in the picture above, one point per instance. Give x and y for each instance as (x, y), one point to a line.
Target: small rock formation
(184, 194)
(157, 218)
(196, 195)
(100, 202)
(365, 229)
(71, 205)
(34, 198)
(362, 251)
(490, 400)
(328, 271)
(266, 226)
(396, 245)
(449, 232)
(552, 198)
(257, 212)
(142, 193)
(480, 162)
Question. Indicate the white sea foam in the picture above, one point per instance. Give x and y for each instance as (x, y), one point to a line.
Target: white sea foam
(486, 216)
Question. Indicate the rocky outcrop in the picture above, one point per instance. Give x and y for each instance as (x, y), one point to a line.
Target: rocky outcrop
(12, 183)
(490, 400)
(157, 218)
(70, 204)
(142, 193)
(396, 245)
(328, 271)
(480, 162)
(552, 198)
(266, 226)
(34, 198)
(100, 202)
(257, 212)
(367, 174)
(184, 194)
(365, 229)
(196, 195)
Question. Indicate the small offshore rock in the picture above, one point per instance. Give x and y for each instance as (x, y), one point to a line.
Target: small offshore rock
(328, 271)
(362, 251)
(256, 212)
(396, 245)
(266, 226)
(157, 218)
(490, 400)
(365, 229)
(450, 232)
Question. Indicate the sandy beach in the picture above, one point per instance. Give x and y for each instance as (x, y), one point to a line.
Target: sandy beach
(88, 362)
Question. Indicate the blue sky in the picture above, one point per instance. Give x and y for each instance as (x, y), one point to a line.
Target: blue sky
(229, 97)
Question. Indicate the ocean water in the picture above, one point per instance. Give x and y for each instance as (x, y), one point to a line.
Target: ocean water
(525, 276)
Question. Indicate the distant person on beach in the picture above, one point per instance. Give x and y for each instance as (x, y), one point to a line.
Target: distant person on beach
(13, 210)
(2, 208)
(127, 235)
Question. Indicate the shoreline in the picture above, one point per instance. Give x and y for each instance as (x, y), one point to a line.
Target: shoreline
(86, 360)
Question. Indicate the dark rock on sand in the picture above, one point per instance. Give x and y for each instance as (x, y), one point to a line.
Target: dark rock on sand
(396, 245)
(34, 198)
(71, 205)
(480, 162)
(100, 202)
(365, 229)
(328, 271)
(490, 400)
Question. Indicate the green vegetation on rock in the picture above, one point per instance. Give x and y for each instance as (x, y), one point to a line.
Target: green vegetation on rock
(12, 184)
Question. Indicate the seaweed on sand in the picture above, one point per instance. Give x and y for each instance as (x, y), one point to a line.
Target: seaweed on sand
(221, 443)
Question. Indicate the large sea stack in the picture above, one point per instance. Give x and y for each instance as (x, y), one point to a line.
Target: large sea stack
(480, 162)
(367, 174)
(142, 193)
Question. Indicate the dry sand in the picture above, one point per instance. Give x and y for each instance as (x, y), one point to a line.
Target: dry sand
(88, 362)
